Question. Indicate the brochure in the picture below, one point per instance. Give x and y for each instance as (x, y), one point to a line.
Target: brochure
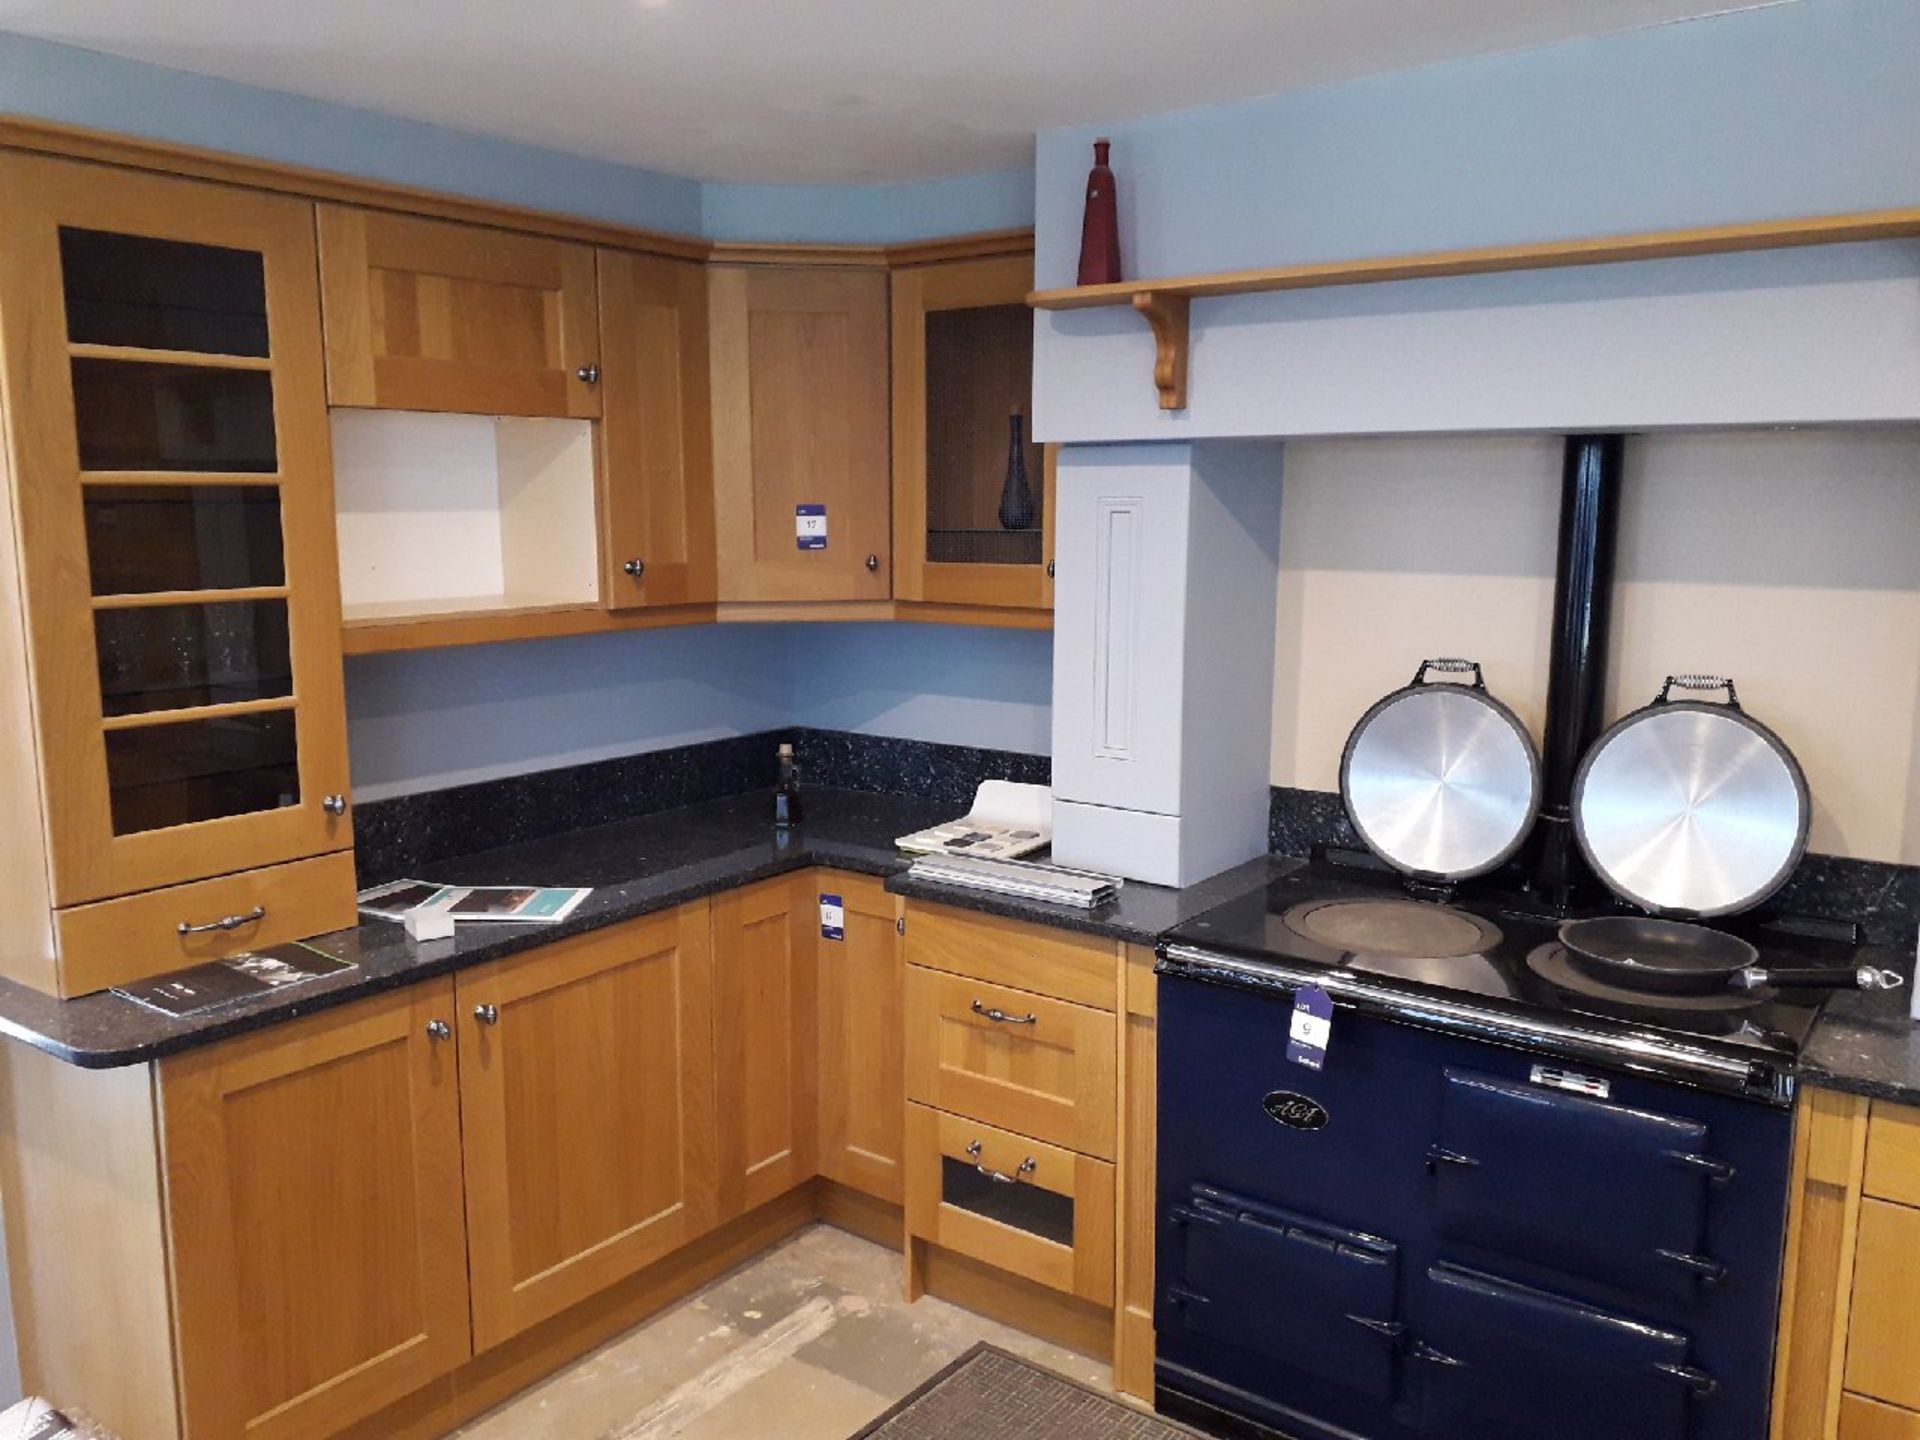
(1007, 820)
(516, 904)
(394, 899)
(238, 977)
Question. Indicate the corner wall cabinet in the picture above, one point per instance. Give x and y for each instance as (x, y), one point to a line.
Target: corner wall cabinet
(962, 370)
(175, 756)
(428, 315)
(1845, 1368)
(799, 361)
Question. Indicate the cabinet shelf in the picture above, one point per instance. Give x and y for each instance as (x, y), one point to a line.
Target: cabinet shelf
(146, 355)
(1164, 302)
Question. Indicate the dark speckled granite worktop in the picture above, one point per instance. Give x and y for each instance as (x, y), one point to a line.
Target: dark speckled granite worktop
(1864, 1044)
(635, 867)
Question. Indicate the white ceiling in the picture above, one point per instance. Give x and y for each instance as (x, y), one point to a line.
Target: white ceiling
(809, 91)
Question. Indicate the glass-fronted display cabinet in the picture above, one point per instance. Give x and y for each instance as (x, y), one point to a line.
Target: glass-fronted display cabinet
(972, 507)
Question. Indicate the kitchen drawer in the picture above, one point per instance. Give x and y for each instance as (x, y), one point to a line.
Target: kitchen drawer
(1009, 1057)
(1893, 1153)
(1080, 968)
(1048, 1216)
(114, 941)
(1884, 1333)
(1864, 1419)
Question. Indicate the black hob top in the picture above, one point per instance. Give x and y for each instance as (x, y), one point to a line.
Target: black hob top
(1478, 945)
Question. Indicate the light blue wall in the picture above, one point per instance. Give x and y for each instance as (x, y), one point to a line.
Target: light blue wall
(1796, 109)
(104, 92)
(957, 685)
(869, 214)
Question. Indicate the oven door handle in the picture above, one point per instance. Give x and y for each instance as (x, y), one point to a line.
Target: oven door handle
(1718, 1171)
(1705, 1267)
(1699, 1382)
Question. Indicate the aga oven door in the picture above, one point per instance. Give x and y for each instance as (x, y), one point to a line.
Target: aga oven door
(1499, 1361)
(1579, 1186)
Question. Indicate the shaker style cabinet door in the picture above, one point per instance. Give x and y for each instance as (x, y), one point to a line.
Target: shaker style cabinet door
(764, 1040)
(972, 492)
(862, 1023)
(313, 1201)
(800, 432)
(586, 1083)
(434, 315)
(655, 432)
(172, 497)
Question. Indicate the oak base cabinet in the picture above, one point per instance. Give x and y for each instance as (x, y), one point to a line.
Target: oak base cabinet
(313, 1201)
(586, 1084)
(764, 1041)
(862, 1025)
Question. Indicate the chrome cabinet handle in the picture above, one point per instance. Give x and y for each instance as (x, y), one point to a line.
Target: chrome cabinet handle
(334, 804)
(635, 568)
(439, 1030)
(225, 922)
(1711, 1271)
(1001, 1017)
(1000, 1177)
(486, 1014)
(873, 563)
(1050, 569)
(590, 372)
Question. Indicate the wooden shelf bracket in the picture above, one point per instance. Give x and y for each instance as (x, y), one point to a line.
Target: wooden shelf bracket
(1167, 314)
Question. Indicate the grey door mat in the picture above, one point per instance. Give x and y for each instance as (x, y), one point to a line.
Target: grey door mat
(988, 1394)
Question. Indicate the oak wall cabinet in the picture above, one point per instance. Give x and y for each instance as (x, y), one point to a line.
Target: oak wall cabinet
(430, 315)
(862, 1035)
(174, 755)
(799, 359)
(656, 432)
(765, 1039)
(1848, 1328)
(962, 370)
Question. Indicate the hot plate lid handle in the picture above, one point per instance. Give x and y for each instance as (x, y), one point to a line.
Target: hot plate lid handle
(1698, 682)
(1451, 666)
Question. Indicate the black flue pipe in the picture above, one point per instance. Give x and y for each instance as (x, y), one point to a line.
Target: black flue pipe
(1577, 669)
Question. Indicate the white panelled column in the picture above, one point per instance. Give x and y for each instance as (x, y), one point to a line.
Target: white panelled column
(1163, 656)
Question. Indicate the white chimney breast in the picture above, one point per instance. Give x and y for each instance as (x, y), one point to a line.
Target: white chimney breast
(1163, 656)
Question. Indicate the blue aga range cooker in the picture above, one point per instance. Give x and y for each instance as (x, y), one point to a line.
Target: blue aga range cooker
(1512, 1205)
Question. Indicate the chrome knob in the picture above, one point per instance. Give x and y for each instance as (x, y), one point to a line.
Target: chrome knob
(334, 804)
(635, 568)
(873, 562)
(486, 1014)
(439, 1030)
(589, 373)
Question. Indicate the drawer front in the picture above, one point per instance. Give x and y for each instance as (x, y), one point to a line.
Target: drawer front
(1864, 1419)
(1036, 1066)
(115, 941)
(1010, 1202)
(1893, 1153)
(1081, 968)
(1882, 1333)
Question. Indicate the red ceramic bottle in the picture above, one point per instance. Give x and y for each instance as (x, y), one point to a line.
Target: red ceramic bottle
(1100, 230)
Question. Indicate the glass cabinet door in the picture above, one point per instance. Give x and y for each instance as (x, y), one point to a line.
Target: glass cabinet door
(169, 452)
(972, 489)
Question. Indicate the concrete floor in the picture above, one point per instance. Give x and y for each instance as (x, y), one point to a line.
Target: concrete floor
(809, 1341)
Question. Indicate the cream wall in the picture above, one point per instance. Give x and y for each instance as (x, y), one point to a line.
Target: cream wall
(1790, 560)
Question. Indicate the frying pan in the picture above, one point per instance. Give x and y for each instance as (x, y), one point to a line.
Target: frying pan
(1441, 781)
(1690, 808)
(1671, 958)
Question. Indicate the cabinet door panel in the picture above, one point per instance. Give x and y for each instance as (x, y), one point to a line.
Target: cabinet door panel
(168, 434)
(764, 1040)
(431, 315)
(862, 1019)
(656, 430)
(588, 1107)
(313, 1199)
(800, 418)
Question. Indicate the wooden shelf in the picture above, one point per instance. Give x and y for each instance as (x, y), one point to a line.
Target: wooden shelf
(489, 620)
(1165, 302)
